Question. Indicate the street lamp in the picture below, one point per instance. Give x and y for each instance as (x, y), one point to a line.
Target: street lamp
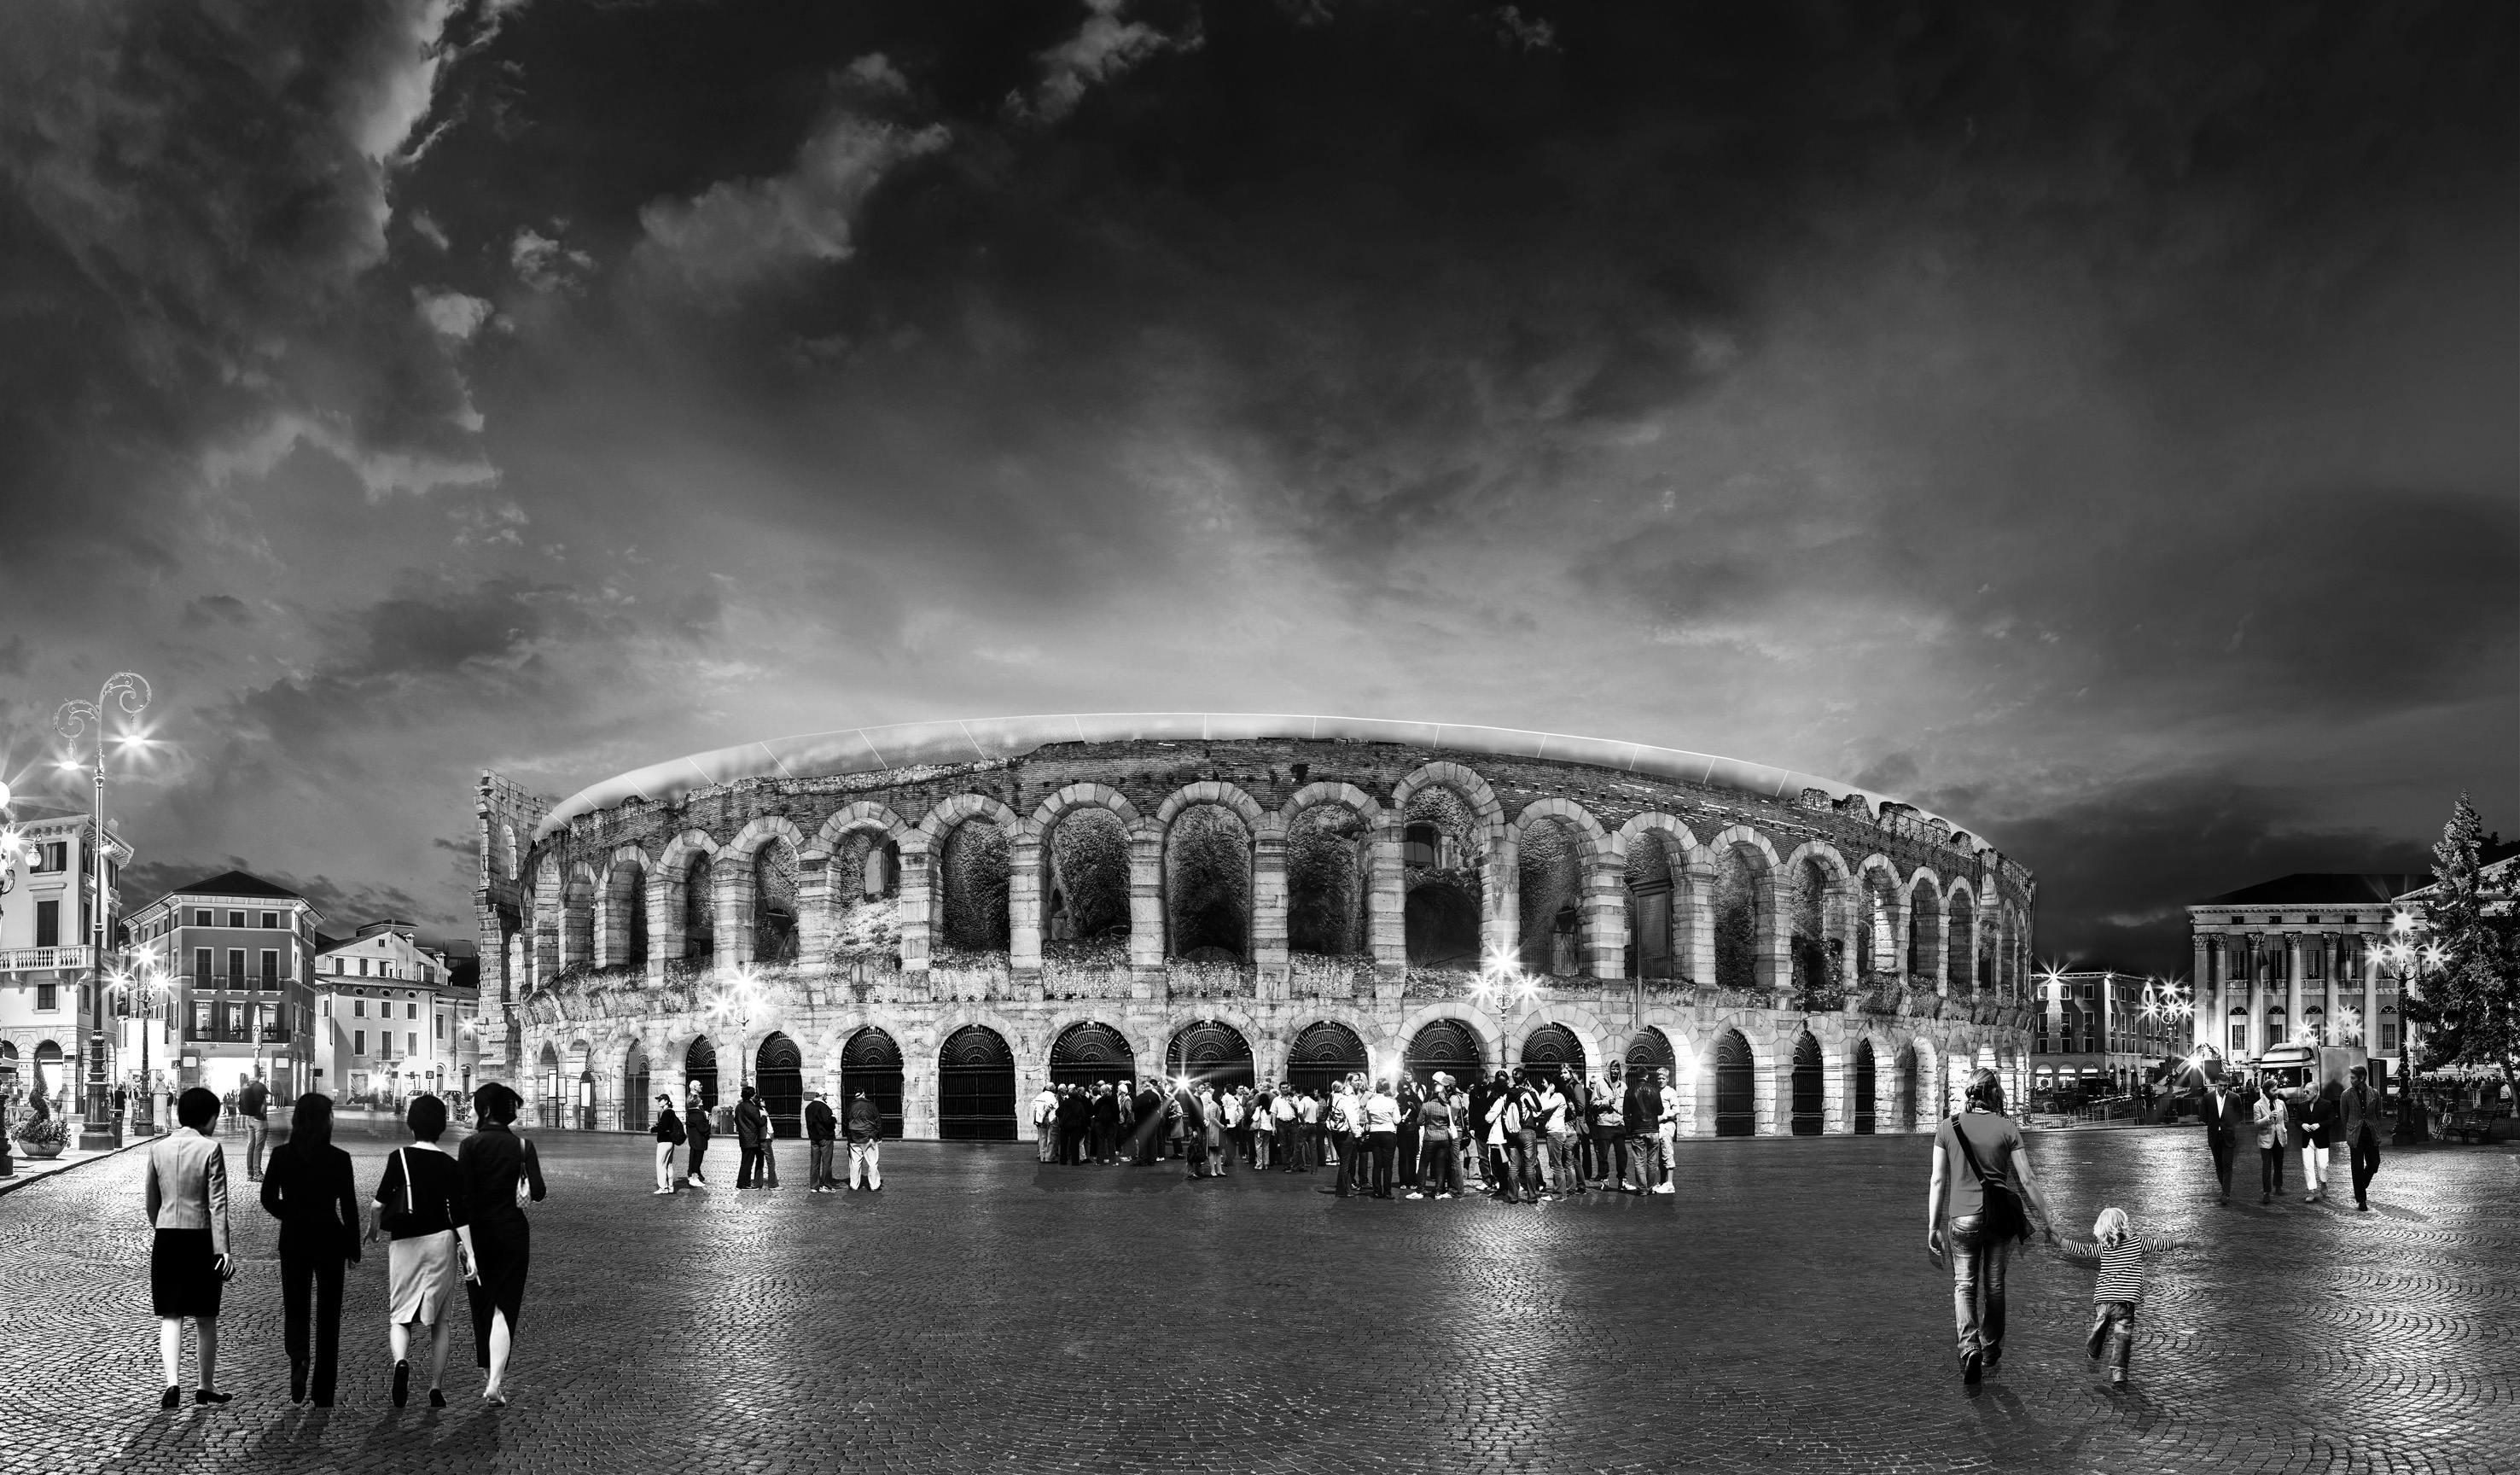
(130, 693)
(145, 985)
(2413, 964)
(735, 1002)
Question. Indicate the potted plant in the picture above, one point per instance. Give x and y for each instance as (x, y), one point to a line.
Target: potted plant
(41, 1135)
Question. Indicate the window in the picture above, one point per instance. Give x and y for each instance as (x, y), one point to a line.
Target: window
(270, 968)
(236, 919)
(358, 1041)
(2388, 1035)
(358, 1008)
(201, 918)
(411, 1042)
(236, 978)
(438, 1030)
(200, 967)
(48, 924)
(271, 920)
(201, 1021)
(411, 1011)
(48, 996)
(56, 856)
(363, 967)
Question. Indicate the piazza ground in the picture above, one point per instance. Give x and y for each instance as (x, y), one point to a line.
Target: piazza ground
(990, 1313)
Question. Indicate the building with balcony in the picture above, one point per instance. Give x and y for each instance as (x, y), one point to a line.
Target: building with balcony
(390, 1019)
(949, 915)
(240, 955)
(2101, 1032)
(49, 1003)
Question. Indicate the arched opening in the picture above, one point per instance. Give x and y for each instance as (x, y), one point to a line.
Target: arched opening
(975, 1087)
(1550, 865)
(1877, 938)
(774, 903)
(1655, 881)
(1959, 944)
(638, 1112)
(8, 1067)
(1326, 871)
(1742, 884)
(1084, 884)
(699, 1069)
(1444, 896)
(1551, 1052)
(871, 1062)
(700, 911)
(587, 1099)
(1811, 949)
(625, 916)
(865, 891)
(1207, 885)
(550, 1097)
(1091, 1054)
(1904, 1111)
(1864, 1120)
(1924, 909)
(1811, 1087)
(778, 1070)
(1323, 1053)
(1736, 1095)
(1448, 1045)
(577, 919)
(1651, 1051)
(972, 899)
(1211, 1051)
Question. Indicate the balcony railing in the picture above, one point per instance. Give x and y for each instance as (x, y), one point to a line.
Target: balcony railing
(234, 1035)
(34, 959)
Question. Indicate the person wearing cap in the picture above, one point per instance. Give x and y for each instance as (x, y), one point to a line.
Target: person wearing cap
(822, 1129)
(866, 1142)
(669, 1135)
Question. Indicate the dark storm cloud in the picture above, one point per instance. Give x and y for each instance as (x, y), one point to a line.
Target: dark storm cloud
(2058, 415)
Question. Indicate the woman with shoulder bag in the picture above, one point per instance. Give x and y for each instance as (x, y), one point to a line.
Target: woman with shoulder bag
(419, 1204)
(1981, 1179)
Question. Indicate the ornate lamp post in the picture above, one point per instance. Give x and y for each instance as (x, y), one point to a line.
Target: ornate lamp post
(142, 986)
(2413, 964)
(76, 717)
(735, 1002)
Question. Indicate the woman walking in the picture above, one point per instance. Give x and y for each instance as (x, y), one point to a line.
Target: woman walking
(1981, 1180)
(420, 1202)
(2271, 1117)
(500, 1172)
(1442, 1172)
(188, 1262)
(307, 1185)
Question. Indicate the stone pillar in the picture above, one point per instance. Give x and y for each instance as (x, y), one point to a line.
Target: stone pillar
(1386, 902)
(2254, 995)
(1268, 908)
(917, 907)
(1606, 916)
(2201, 972)
(665, 929)
(2364, 968)
(730, 902)
(1023, 904)
(1146, 921)
(1699, 927)
(813, 910)
(2292, 984)
(2329, 957)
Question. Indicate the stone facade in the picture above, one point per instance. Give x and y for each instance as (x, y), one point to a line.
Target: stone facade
(1269, 882)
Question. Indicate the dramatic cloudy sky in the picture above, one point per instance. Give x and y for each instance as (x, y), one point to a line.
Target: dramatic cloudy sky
(2097, 423)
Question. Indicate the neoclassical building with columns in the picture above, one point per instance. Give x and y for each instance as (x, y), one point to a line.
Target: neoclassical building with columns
(948, 915)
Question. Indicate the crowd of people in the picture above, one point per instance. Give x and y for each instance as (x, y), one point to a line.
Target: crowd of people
(454, 1225)
(2312, 1118)
(1548, 1134)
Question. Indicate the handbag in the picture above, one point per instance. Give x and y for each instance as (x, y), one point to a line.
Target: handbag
(395, 1219)
(2004, 1221)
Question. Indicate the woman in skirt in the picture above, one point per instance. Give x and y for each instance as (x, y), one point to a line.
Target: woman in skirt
(188, 1263)
(421, 1204)
(500, 1172)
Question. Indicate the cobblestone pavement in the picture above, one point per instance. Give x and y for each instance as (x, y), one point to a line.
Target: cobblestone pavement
(987, 1312)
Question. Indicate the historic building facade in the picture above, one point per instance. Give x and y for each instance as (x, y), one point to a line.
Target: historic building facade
(950, 914)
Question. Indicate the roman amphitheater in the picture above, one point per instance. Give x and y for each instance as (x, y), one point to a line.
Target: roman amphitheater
(948, 914)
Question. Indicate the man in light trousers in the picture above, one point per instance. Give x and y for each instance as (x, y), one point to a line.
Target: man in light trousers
(866, 1142)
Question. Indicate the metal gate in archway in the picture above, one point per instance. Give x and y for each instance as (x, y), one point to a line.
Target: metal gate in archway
(1811, 1087)
(1210, 1051)
(1551, 1052)
(1448, 1045)
(1651, 1051)
(975, 1087)
(1324, 1052)
(1736, 1096)
(871, 1062)
(1867, 1121)
(779, 1072)
(1091, 1054)
(700, 1068)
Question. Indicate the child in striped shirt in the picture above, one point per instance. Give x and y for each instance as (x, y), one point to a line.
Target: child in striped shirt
(2118, 1291)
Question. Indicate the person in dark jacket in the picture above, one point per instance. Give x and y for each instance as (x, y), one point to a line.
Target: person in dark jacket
(1643, 1111)
(1106, 1125)
(752, 1142)
(307, 1185)
(1149, 1136)
(1073, 1117)
(696, 1122)
(669, 1135)
(501, 1171)
(866, 1142)
(821, 1130)
(2224, 1117)
(1194, 1119)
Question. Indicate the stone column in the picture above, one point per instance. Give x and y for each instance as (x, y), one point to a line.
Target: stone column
(1606, 916)
(917, 907)
(665, 929)
(1024, 904)
(2256, 1030)
(2331, 956)
(730, 898)
(2199, 993)
(1268, 908)
(2292, 983)
(812, 909)
(1386, 902)
(1146, 921)
(2365, 969)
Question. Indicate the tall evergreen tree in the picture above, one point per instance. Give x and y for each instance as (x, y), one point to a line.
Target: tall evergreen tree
(2467, 989)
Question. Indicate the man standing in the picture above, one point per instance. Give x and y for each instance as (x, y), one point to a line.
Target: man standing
(696, 1122)
(1667, 1126)
(1565, 1174)
(821, 1128)
(1642, 1110)
(1611, 1131)
(1150, 1129)
(251, 1103)
(1193, 1123)
(2361, 1122)
(1107, 1124)
(866, 1142)
(2222, 1119)
(753, 1140)
(1579, 1123)
(1283, 1123)
(1045, 1121)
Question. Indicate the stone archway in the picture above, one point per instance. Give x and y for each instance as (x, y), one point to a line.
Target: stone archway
(1323, 1053)
(1091, 1054)
(1210, 1051)
(1866, 1117)
(1737, 1098)
(975, 1087)
(871, 1062)
(1809, 1087)
(778, 1070)
(1445, 1045)
(1553, 1052)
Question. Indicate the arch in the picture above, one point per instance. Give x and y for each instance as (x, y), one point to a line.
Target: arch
(636, 1110)
(1052, 809)
(1323, 1053)
(548, 1094)
(1809, 1087)
(1211, 1051)
(971, 880)
(1473, 789)
(1819, 885)
(862, 817)
(1449, 1045)
(1865, 1094)
(577, 917)
(1329, 831)
(1210, 792)
(773, 900)
(1650, 1048)
(1907, 1092)
(621, 930)
(700, 1068)
(1555, 845)
(687, 918)
(1091, 1054)
(1747, 943)
(1549, 1051)
(1087, 867)
(1924, 903)
(975, 1087)
(1662, 899)
(871, 1062)
(779, 1072)
(1960, 939)
(1345, 796)
(1209, 869)
(759, 831)
(1881, 900)
(1736, 1107)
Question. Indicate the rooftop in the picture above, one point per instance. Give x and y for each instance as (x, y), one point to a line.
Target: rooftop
(235, 884)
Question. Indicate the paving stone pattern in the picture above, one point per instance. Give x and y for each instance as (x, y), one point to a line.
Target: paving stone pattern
(987, 1312)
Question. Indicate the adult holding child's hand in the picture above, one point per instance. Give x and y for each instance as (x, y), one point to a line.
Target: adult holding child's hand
(1974, 1214)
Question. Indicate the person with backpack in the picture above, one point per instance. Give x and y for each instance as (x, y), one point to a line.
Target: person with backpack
(253, 1102)
(1643, 1112)
(669, 1135)
(1974, 1216)
(1500, 1121)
